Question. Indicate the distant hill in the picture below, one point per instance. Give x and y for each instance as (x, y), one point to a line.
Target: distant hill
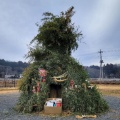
(16, 68)
(109, 71)
(11, 68)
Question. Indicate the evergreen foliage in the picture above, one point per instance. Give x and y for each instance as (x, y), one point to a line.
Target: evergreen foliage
(54, 43)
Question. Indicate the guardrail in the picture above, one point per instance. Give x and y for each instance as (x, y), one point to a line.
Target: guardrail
(104, 81)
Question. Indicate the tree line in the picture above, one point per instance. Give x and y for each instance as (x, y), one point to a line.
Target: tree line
(109, 71)
(11, 68)
(16, 68)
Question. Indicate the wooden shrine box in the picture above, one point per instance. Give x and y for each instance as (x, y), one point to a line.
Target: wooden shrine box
(52, 109)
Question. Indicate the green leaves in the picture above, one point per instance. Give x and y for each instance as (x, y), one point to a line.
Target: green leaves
(84, 102)
(56, 34)
(53, 44)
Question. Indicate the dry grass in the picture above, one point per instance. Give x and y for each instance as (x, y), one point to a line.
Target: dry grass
(7, 90)
(108, 89)
(105, 89)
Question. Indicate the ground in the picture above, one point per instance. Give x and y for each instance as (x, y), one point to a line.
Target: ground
(9, 97)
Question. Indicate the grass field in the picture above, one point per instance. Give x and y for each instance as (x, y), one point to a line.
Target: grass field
(109, 89)
(105, 89)
(4, 90)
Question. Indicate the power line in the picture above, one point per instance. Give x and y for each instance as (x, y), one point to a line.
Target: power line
(113, 50)
(86, 54)
(112, 55)
(106, 51)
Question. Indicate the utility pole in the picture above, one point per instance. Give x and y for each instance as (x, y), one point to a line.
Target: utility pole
(101, 61)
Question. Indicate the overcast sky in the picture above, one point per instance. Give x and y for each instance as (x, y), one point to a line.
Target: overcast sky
(99, 21)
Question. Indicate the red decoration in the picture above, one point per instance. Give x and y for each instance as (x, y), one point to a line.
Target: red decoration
(42, 72)
(72, 83)
(38, 86)
(44, 79)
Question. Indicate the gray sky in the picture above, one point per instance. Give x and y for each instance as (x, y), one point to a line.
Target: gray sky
(99, 21)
